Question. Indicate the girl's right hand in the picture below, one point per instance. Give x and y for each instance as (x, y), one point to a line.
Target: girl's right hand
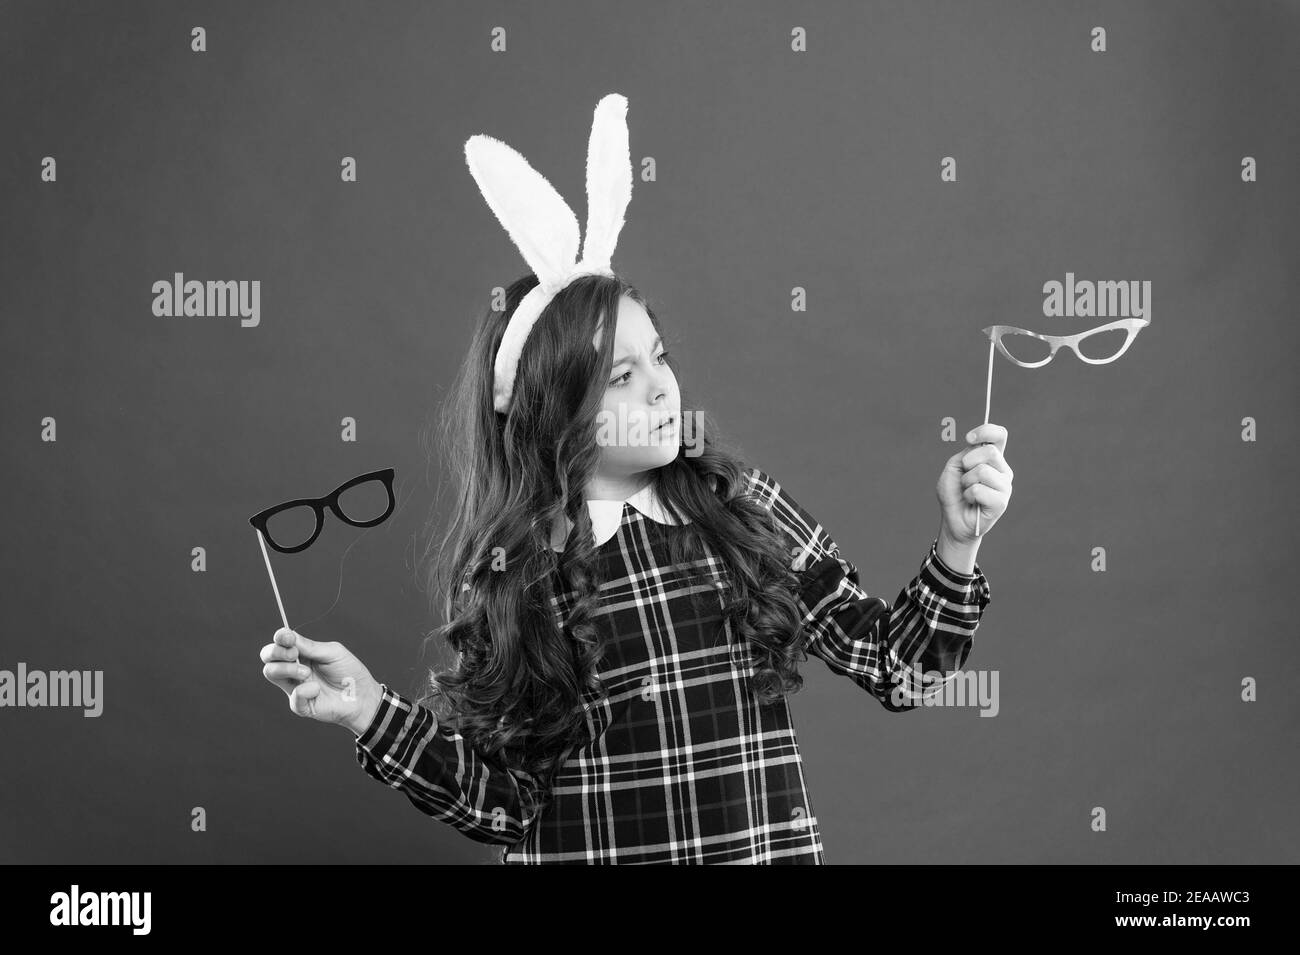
(323, 680)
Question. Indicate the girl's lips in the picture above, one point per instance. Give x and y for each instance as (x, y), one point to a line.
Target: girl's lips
(668, 423)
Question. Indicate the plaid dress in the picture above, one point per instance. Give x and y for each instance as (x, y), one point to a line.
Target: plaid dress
(681, 763)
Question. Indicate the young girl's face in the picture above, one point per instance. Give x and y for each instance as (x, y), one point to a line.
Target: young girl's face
(640, 396)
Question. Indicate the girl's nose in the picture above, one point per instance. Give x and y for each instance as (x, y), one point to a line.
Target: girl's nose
(659, 386)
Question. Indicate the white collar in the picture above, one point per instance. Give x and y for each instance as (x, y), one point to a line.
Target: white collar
(606, 516)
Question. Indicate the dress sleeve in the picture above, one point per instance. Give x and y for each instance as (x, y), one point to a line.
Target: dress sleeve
(894, 653)
(443, 776)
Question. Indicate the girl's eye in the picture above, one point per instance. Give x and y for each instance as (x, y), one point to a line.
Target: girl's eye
(622, 379)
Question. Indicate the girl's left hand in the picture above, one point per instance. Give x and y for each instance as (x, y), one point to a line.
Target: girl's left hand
(976, 479)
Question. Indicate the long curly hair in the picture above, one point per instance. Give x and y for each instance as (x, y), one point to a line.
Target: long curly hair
(517, 686)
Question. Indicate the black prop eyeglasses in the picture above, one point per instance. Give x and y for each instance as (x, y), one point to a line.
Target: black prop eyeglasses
(298, 509)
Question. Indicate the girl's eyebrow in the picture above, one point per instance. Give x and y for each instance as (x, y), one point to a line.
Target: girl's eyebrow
(657, 342)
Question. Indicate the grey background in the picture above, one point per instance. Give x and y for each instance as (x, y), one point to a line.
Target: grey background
(775, 169)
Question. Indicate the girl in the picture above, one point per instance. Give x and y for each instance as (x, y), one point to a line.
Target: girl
(629, 608)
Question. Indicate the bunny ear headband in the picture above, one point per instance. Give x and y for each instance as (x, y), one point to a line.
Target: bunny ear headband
(544, 228)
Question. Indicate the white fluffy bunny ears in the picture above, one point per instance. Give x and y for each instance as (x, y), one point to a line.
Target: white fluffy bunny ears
(543, 226)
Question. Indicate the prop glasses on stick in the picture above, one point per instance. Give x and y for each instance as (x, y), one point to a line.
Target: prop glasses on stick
(317, 505)
(1028, 351)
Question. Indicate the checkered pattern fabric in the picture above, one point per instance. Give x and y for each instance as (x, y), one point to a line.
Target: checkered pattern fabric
(681, 763)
